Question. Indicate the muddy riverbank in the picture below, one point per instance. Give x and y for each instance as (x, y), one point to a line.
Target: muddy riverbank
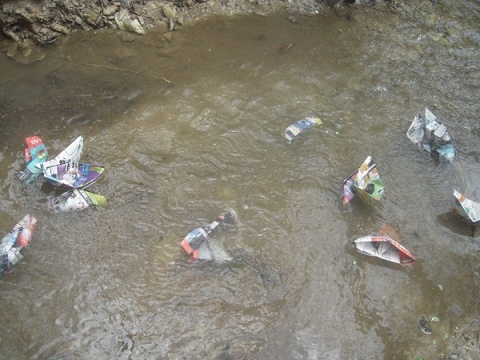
(27, 25)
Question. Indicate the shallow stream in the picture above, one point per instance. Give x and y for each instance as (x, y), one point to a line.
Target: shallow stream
(194, 125)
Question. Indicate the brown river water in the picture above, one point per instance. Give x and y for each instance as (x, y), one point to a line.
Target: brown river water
(191, 126)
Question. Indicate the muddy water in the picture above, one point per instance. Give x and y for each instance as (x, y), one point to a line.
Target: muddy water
(191, 126)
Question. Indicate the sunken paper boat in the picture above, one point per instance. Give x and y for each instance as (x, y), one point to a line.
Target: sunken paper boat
(72, 153)
(467, 209)
(430, 134)
(300, 126)
(385, 248)
(14, 243)
(75, 200)
(197, 242)
(35, 154)
(73, 175)
(365, 182)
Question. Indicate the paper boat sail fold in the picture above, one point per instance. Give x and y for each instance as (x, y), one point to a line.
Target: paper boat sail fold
(35, 154)
(73, 175)
(75, 200)
(72, 153)
(468, 209)
(300, 126)
(13, 244)
(430, 134)
(384, 247)
(365, 182)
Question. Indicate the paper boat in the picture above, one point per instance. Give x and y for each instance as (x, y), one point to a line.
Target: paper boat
(385, 248)
(300, 126)
(75, 200)
(430, 134)
(468, 209)
(13, 244)
(72, 153)
(365, 182)
(35, 154)
(197, 242)
(73, 175)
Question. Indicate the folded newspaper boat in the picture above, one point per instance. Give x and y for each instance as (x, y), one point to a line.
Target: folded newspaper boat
(430, 134)
(35, 154)
(14, 243)
(197, 243)
(73, 175)
(75, 200)
(72, 153)
(468, 209)
(365, 182)
(300, 126)
(384, 247)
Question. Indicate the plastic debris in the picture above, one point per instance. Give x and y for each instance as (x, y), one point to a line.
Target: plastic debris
(430, 134)
(35, 154)
(73, 175)
(72, 153)
(300, 126)
(384, 247)
(197, 243)
(365, 182)
(467, 209)
(75, 200)
(14, 243)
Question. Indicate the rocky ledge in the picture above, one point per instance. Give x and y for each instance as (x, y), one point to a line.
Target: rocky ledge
(27, 24)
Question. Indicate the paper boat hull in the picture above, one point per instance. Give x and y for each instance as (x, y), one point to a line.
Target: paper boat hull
(300, 126)
(73, 176)
(75, 200)
(13, 244)
(385, 248)
(467, 209)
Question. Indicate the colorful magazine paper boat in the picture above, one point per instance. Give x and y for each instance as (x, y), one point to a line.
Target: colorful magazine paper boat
(75, 200)
(197, 242)
(35, 154)
(385, 248)
(73, 175)
(72, 153)
(466, 208)
(430, 134)
(13, 244)
(365, 182)
(300, 126)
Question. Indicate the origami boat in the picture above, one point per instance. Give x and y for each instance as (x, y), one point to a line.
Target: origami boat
(364, 182)
(75, 200)
(73, 175)
(14, 243)
(300, 126)
(430, 134)
(35, 154)
(384, 247)
(468, 209)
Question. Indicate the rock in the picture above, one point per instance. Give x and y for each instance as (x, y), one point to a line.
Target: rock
(12, 49)
(59, 28)
(124, 22)
(110, 10)
(168, 11)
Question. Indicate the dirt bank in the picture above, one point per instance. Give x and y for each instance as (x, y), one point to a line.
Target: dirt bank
(42, 22)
